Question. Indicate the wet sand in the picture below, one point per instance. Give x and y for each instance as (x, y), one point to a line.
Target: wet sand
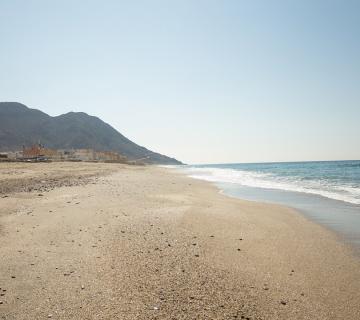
(107, 241)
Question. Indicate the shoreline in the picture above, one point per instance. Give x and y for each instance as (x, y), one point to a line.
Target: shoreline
(354, 248)
(342, 220)
(150, 243)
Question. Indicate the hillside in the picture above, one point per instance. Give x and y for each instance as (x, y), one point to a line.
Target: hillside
(20, 125)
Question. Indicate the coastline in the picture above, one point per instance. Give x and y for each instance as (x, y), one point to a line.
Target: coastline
(338, 236)
(151, 243)
(339, 216)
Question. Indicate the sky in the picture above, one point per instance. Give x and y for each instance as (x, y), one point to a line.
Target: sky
(203, 81)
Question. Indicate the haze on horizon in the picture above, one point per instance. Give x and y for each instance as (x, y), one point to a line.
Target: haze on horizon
(202, 81)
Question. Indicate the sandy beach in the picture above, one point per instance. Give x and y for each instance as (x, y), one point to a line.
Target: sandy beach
(109, 241)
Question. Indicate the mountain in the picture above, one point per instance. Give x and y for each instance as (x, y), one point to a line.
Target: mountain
(20, 125)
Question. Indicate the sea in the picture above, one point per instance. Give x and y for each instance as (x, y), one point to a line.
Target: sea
(327, 192)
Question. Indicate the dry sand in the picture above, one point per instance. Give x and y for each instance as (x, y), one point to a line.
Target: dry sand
(107, 241)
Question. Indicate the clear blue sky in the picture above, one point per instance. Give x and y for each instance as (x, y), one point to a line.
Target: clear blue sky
(203, 81)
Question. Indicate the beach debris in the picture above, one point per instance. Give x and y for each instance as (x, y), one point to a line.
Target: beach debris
(49, 315)
(82, 287)
(283, 302)
(1, 302)
(156, 308)
(13, 277)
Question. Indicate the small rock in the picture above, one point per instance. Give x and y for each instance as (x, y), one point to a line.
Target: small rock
(82, 287)
(49, 315)
(283, 302)
(1, 302)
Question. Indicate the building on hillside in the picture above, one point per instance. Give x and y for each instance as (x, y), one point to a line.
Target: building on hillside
(39, 152)
(110, 156)
(32, 152)
(84, 154)
(13, 155)
(102, 156)
(10, 155)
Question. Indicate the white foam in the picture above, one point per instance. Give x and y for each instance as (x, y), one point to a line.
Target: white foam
(269, 181)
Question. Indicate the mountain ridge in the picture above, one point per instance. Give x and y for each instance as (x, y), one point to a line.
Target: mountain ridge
(21, 125)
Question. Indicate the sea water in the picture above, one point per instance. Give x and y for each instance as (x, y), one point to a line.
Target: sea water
(325, 191)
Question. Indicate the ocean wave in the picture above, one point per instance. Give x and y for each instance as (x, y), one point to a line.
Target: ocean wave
(325, 188)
